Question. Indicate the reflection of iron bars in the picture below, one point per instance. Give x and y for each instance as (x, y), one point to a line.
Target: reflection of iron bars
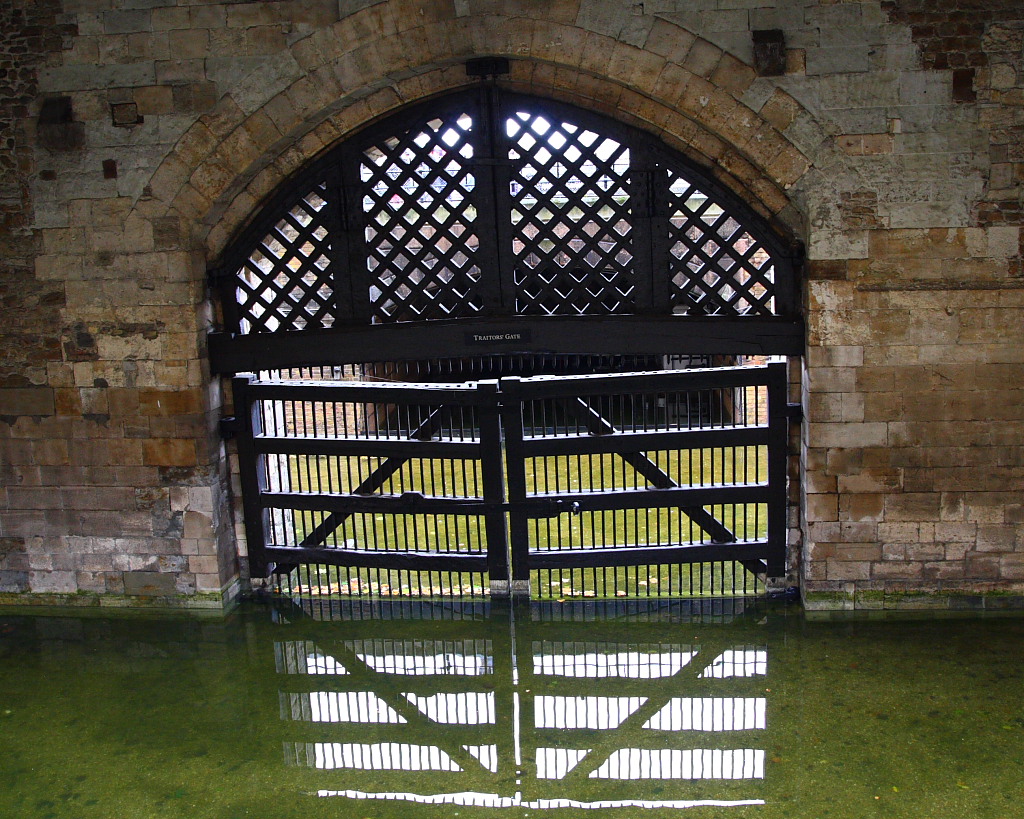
(391, 717)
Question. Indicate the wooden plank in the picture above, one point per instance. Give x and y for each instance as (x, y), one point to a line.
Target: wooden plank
(515, 469)
(252, 475)
(375, 480)
(383, 559)
(635, 555)
(365, 392)
(445, 338)
(675, 496)
(493, 479)
(624, 442)
(647, 383)
(778, 456)
(374, 446)
(408, 503)
(654, 474)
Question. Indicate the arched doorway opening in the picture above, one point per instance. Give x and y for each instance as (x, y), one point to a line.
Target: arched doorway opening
(493, 339)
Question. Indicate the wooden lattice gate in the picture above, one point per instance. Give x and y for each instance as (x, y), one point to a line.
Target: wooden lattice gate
(598, 484)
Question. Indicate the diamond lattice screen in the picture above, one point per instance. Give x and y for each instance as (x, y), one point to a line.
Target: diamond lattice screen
(286, 283)
(421, 238)
(717, 267)
(550, 215)
(571, 218)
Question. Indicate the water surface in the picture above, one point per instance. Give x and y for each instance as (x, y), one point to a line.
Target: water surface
(439, 710)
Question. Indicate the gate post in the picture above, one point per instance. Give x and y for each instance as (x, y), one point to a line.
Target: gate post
(252, 473)
(778, 456)
(492, 473)
(515, 469)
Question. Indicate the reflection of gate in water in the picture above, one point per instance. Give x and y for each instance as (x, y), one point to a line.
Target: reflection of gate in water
(531, 715)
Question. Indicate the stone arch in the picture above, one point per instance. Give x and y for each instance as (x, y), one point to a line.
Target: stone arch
(695, 97)
(748, 133)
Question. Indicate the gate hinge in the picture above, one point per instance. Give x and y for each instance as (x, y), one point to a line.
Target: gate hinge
(795, 412)
(230, 426)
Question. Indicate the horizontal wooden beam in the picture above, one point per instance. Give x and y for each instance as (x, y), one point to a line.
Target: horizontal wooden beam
(373, 447)
(370, 392)
(648, 383)
(408, 503)
(569, 335)
(646, 555)
(696, 496)
(620, 442)
(383, 559)
(534, 506)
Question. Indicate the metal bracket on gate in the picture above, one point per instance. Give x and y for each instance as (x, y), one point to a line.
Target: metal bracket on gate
(539, 507)
(230, 426)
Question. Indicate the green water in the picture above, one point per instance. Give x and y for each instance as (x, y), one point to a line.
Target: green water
(406, 710)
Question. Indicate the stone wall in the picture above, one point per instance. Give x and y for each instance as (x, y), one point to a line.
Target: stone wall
(914, 459)
(137, 137)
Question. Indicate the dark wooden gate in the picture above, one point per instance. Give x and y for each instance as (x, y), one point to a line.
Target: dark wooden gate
(378, 477)
(488, 226)
(598, 485)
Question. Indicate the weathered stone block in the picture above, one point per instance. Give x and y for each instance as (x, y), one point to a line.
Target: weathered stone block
(896, 570)
(848, 570)
(864, 507)
(148, 584)
(848, 435)
(169, 452)
(912, 506)
(994, 538)
(982, 567)
(822, 507)
(46, 579)
(27, 401)
(1011, 567)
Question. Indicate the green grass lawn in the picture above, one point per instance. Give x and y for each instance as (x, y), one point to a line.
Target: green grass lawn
(714, 579)
(558, 475)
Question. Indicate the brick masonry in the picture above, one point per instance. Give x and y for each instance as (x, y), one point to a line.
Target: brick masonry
(891, 146)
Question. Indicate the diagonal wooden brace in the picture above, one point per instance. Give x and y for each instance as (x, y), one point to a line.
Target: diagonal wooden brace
(596, 424)
(374, 481)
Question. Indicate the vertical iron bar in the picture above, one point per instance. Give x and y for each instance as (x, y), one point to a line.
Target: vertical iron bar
(777, 456)
(490, 170)
(352, 241)
(251, 466)
(501, 174)
(515, 467)
(493, 478)
(642, 212)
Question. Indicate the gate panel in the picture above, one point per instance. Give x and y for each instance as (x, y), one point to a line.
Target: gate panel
(654, 469)
(392, 477)
(636, 481)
